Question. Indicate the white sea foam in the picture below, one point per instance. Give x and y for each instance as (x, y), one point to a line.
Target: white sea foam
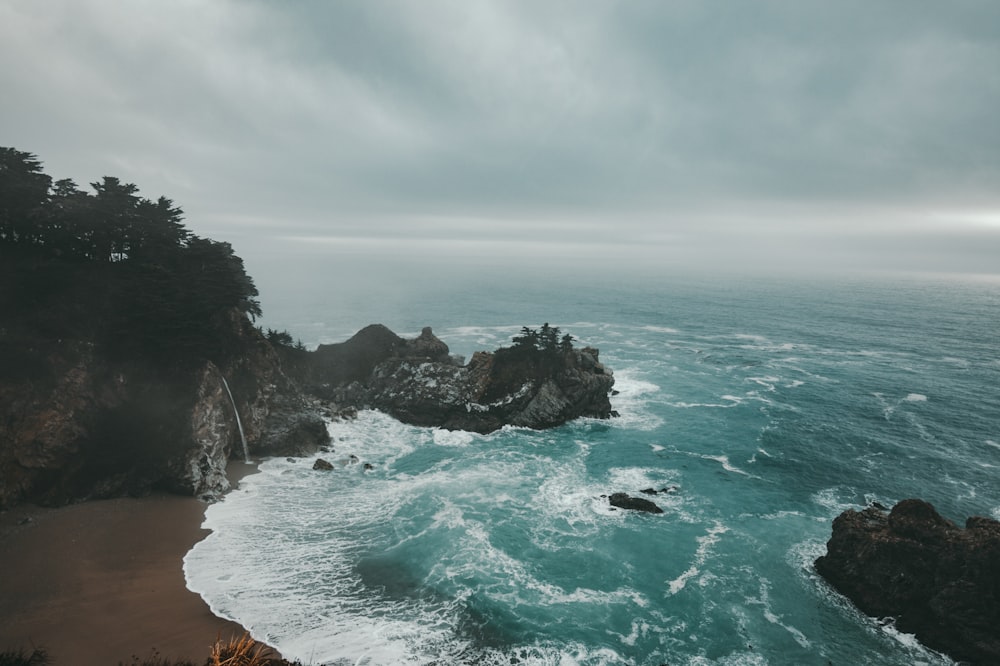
(767, 381)
(634, 479)
(915, 397)
(705, 544)
(768, 611)
(660, 329)
(633, 400)
(752, 337)
(453, 437)
(732, 401)
(834, 500)
(990, 442)
(726, 465)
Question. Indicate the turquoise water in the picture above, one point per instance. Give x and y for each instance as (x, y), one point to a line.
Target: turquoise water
(766, 407)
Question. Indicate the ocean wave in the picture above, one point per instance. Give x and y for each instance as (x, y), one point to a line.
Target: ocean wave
(634, 399)
(705, 544)
(500, 549)
(661, 329)
(731, 401)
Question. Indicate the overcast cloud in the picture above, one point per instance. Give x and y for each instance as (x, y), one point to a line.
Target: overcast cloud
(854, 133)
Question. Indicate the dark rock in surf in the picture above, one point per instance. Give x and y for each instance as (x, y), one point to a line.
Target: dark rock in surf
(625, 501)
(939, 581)
(322, 465)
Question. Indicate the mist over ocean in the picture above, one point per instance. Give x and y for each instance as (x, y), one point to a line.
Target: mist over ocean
(764, 407)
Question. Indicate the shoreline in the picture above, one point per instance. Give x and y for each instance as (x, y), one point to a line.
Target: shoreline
(101, 582)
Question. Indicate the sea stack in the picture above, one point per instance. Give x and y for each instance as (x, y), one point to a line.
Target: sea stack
(939, 581)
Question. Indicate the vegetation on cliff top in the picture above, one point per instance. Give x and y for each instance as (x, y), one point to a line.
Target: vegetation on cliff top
(536, 354)
(112, 267)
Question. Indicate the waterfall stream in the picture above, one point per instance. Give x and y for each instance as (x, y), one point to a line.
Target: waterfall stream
(239, 424)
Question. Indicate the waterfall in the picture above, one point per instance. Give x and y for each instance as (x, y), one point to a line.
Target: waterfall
(239, 424)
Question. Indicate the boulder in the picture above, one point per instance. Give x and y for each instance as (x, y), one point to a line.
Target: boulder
(323, 465)
(939, 581)
(625, 501)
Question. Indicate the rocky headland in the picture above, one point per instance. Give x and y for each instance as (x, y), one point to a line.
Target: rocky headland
(129, 360)
(84, 425)
(418, 382)
(938, 581)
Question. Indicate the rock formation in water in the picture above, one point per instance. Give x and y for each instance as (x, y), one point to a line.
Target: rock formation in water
(418, 382)
(939, 581)
(626, 501)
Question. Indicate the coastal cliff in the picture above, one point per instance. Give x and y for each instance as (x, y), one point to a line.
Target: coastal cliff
(418, 382)
(129, 360)
(82, 425)
(939, 581)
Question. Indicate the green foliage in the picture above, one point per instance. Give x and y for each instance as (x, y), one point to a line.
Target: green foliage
(546, 340)
(537, 354)
(283, 339)
(114, 266)
(23, 191)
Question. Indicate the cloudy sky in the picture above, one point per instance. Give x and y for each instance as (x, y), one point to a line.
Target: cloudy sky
(848, 134)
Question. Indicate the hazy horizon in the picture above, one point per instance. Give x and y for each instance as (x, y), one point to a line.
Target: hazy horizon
(767, 137)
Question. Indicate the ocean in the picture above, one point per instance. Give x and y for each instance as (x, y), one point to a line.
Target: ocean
(760, 408)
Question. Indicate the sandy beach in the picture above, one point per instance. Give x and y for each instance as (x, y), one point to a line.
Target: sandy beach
(98, 582)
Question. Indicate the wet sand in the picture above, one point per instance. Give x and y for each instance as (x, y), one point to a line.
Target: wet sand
(98, 582)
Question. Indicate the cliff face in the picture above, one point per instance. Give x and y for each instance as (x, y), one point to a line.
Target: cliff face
(418, 382)
(939, 581)
(78, 425)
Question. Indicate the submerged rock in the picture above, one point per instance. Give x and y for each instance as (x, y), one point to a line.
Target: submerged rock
(939, 581)
(625, 501)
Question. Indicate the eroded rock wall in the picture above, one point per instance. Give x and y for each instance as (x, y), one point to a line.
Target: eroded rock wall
(82, 426)
(939, 581)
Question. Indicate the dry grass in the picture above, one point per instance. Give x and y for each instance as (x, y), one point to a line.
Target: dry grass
(37, 657)
(243, 651)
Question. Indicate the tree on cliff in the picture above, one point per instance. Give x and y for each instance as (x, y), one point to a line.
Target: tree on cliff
(545, 341)
(113, 265)
(23, 191)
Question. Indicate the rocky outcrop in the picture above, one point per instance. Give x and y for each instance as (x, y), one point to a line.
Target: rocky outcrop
(81, 425)
(626, 501)
(418, 382)
(939, 581)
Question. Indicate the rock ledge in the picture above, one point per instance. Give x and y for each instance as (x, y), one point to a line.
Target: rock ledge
(939, 581)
